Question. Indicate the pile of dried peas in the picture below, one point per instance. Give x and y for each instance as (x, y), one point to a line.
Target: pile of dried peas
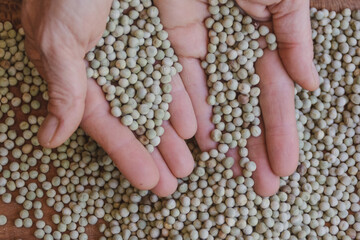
(319, 201)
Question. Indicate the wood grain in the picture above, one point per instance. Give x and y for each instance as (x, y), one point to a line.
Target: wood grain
(335, 5)
(10, 11)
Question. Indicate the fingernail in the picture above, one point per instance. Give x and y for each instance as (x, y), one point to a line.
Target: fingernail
(315, 76)
(50, 126)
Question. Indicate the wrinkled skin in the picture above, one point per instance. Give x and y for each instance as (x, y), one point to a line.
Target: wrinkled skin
(58, 39)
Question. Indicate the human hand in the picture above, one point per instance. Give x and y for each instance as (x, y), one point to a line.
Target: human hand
(56, 42)
(276, 150)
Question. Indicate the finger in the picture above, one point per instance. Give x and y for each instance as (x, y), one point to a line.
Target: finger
(189, 41)
(66, 79)
(266, 182)
(194, 80)
(291, 21)
(184, 21)
(278, 110)
(67, 89)
(175, 152)
(174, 13)
(256, 10)
(167, 183)
(182, 114)
(262, 43)
(129, 155)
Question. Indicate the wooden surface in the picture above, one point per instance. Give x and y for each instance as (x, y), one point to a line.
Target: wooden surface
(10, 10)
(335, 5)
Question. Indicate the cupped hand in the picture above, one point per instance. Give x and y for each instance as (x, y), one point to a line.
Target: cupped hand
(276, 150)
(58, 35)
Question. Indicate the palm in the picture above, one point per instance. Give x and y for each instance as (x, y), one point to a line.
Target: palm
(57, 49)
(276, 150)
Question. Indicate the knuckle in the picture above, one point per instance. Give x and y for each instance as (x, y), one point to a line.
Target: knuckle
(62, 100)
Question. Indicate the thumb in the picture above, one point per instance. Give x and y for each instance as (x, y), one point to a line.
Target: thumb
(291, 22)
(66, 79)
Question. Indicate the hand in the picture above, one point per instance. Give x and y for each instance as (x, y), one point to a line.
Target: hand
(276, 150)
(56, 42)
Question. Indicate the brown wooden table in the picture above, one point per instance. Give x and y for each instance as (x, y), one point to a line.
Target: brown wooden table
(10, 10)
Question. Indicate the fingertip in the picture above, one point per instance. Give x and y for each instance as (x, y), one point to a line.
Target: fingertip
(167, 183)
(185, 168)
(266, 182)
(203, 139)
(187, 129)
(284, 168)
(165, 187)
(283, 151)
(310, 81)
(293, 33)
(298, 66)
(268, 186)
(310, 86)
(175, 152)
(140, 169)
(185, 171)
(54, 131)
(284, 159)
(190, 131)
(47, 131)
(145, 180)
(147, 184)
